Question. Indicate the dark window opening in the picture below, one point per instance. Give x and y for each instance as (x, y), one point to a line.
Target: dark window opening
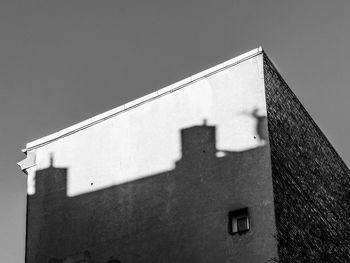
(238, 221)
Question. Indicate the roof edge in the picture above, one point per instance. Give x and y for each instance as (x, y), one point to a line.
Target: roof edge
(137, 102)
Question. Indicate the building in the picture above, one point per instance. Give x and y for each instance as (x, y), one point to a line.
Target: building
(224, 166)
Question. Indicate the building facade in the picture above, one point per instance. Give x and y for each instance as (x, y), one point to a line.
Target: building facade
(224, 166)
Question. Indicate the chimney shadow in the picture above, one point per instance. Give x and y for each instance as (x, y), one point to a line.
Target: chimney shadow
(175, 216)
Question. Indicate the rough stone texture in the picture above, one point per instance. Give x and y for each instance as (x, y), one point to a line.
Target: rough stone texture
(177, 216)
(311, 183)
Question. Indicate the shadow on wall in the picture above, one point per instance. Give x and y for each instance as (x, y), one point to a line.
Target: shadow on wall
(261, 124)
(84, 257)
(175, 216)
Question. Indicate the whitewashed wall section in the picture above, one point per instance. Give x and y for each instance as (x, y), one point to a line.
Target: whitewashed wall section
(145, 140)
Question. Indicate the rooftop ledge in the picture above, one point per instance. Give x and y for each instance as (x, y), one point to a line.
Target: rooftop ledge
(135, 103)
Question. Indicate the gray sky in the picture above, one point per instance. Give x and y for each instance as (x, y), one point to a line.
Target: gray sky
(65, 61)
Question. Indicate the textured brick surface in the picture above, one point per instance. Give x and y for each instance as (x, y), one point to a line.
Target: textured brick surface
(311, 182)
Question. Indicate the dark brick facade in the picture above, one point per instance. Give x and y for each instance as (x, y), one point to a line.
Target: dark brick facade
(311, 183)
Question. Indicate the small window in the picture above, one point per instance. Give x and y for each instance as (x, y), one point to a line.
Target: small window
(238, 221)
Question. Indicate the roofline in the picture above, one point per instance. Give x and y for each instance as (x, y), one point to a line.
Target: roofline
(135, 103)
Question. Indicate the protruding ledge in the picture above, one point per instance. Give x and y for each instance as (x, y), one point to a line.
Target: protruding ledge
(27, 162)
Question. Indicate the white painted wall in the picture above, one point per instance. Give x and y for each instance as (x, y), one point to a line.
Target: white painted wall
(146, 140)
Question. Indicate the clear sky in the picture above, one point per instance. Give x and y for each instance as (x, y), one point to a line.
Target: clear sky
(65, 61)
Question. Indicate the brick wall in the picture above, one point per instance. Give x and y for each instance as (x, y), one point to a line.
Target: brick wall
(311, 182)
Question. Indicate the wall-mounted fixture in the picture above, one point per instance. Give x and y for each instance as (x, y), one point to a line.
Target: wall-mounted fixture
(238, 221)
